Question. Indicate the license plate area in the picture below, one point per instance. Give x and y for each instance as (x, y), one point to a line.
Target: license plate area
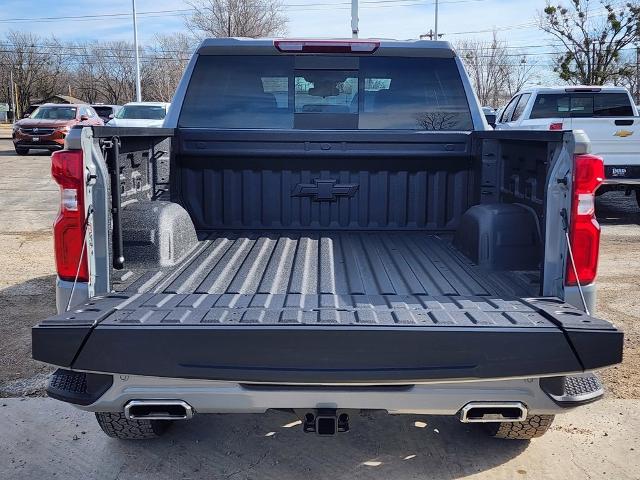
(622, 171)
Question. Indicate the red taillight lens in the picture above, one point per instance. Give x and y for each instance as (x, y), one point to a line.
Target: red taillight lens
(584, 230)
(326, 46)
(67, 169)
(556, 126)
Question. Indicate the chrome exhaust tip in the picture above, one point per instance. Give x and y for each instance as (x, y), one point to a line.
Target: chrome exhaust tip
(487, 412)
(158, 410)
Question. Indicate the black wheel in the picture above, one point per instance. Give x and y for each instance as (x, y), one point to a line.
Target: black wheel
(533, 427)
(116, 425)
(22, 150)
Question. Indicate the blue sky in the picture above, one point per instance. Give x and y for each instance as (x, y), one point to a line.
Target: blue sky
(513, 19)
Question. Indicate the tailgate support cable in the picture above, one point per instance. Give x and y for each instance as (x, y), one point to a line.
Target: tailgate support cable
(84, 245)
(565, 227)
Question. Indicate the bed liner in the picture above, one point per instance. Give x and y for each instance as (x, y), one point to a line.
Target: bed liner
(351, 263)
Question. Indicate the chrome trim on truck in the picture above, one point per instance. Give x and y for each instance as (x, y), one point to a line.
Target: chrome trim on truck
(158, 410)
(491, 412)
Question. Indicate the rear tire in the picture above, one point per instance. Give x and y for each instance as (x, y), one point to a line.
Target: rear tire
(116, 425)
(533, 427)
(22, 151)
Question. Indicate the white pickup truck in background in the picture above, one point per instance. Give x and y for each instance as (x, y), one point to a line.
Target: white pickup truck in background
(607, 115)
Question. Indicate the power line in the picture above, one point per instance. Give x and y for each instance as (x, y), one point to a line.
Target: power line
(99, 16)
(596, 13)
(488, 45)
(59, 49)
(323, 7)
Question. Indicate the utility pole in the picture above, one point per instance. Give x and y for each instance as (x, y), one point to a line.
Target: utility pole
(637, 73)
(431, 35)
(135, 44)
(13, 105)
(436, 26)
(14, 96)
(354, 19)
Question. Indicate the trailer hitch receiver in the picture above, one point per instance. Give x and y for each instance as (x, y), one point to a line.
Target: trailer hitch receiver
(325, 422)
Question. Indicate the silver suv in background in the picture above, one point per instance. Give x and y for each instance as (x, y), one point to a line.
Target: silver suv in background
(140, 114)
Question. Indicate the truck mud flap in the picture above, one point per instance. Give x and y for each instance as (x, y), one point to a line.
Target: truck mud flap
(326, 338)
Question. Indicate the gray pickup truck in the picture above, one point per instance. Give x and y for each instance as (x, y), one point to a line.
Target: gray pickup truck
(326, 227)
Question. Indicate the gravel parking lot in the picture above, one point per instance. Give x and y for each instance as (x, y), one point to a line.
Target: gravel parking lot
(28, 204)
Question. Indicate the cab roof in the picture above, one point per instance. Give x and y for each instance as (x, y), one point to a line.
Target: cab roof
(383, 47)
(575, 89)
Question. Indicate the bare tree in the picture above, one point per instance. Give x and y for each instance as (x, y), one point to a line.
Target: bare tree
(495, 70)
(86, 69)
(592, 42)
(166, 59)
(628, 77)
(521, 71)
(436, 120)
(106, 71)
(39, 66)
(237, 18)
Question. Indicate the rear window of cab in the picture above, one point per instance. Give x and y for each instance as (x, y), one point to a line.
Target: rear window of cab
(576, 105)
(268, 92)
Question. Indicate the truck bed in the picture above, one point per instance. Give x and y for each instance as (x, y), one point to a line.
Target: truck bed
(267, 286)
(310, 264)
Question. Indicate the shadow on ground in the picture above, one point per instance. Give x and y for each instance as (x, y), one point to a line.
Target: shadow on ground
(10, 152)
(614, 208)
(22, 306)
(268, 446)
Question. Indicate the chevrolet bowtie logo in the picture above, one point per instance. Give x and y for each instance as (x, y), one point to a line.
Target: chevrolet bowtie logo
(623, 133)
(325, 190)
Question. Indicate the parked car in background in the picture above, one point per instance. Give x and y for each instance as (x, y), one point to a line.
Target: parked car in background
(608, 115)
(140, 114)
(490, 115)
(49, 124)
(106, 112)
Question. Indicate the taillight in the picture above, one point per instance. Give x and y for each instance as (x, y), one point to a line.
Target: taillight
(555, 126)
(326, 46)
(584, 230)
(67, 169)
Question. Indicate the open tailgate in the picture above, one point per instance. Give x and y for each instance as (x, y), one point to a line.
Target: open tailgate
(326, 338)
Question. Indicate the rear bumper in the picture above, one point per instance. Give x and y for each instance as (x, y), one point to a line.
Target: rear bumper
(436, 398)
(451, 338)
(53, 141)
